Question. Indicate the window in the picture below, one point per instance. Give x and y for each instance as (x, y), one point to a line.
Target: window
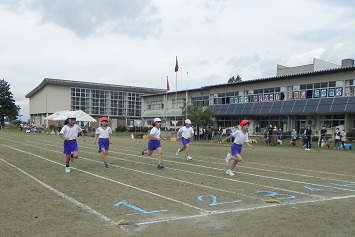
(155, 105)
(200, 101)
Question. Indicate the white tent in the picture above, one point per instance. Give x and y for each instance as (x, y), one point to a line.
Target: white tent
(81, 116)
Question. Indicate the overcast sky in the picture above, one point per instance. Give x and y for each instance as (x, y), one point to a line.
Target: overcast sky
(135, 42)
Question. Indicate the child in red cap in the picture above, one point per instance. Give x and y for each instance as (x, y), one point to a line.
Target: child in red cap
(241, 137)
(104, 134)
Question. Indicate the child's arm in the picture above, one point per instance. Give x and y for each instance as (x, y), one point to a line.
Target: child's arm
(110, 138)
(249, 145)
(226, 139)
(96, 136)
(63, 137)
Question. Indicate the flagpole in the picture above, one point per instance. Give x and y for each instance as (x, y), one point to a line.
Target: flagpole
(175, 92)
(176, 70)
(166, 102)
(187, 77)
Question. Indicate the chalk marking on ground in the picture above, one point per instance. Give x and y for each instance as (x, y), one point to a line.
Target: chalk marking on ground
(66, 197)
(284, 180)
(241, 210)
(260, 185)
(190, 172)
(261, 164)
(111, 180)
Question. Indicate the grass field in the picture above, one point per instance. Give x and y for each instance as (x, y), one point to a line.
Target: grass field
(316, 190)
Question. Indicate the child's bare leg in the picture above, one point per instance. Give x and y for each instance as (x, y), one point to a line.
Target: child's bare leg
(160, 155)
(104, 154)
(67, 160)
(236, 159)
(187, 149)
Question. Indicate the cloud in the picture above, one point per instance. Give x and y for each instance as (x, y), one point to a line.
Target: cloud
(85, 18)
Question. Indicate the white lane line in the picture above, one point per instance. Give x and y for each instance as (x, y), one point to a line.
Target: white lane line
(66, 197)
(264, 186)
(241, 210)
(113, 181)
(266, 170)
(201, 174)
(261, 164)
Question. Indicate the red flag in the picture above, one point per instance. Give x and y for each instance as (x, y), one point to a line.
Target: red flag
(176, 65)
(167, 85)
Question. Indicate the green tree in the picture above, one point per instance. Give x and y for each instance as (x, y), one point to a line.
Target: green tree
(234, 79)
(8, 108)
(199, 115)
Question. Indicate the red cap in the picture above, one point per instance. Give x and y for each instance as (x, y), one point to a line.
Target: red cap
(244, 122)
(104, 119)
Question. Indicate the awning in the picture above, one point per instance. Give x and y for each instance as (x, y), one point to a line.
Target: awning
(173, 113)
(153, 114)
(81, 116)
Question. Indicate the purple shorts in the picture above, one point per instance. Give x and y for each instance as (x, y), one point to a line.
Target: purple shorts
(70, 146)
(104, 143)
(236, 149)
(153, 145)
(185, 141)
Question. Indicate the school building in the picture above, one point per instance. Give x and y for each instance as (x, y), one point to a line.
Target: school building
(316, 94)
(122, 104)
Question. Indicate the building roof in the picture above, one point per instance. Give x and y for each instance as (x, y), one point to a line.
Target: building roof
(276, 78)
(61, 82)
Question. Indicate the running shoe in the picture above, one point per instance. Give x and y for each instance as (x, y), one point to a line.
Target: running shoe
(189, 158)
(160, 166)
(177, 153)
(67, 169)
(230, 173)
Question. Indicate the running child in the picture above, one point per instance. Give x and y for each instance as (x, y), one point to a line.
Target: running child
(241, 137)
(186, 132)
(69, 133)
(154, 142)
(104, 135)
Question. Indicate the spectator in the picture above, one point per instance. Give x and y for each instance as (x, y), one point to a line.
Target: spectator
(337, 136)
(293, 137)
(274, 136)
(269, 134)
(279, 134)
(219, 133)
(343, 138)
(228, 133)
(322, 139)
(308, 138)
(257, 130)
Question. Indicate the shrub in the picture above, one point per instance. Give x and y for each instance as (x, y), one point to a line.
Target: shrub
(350, 136)
(315, 139)
(120, 129)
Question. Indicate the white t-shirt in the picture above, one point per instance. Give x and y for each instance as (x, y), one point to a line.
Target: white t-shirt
(70, 132)
(186, 132)
(155, 132)
(103, 132)
(240, 137)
